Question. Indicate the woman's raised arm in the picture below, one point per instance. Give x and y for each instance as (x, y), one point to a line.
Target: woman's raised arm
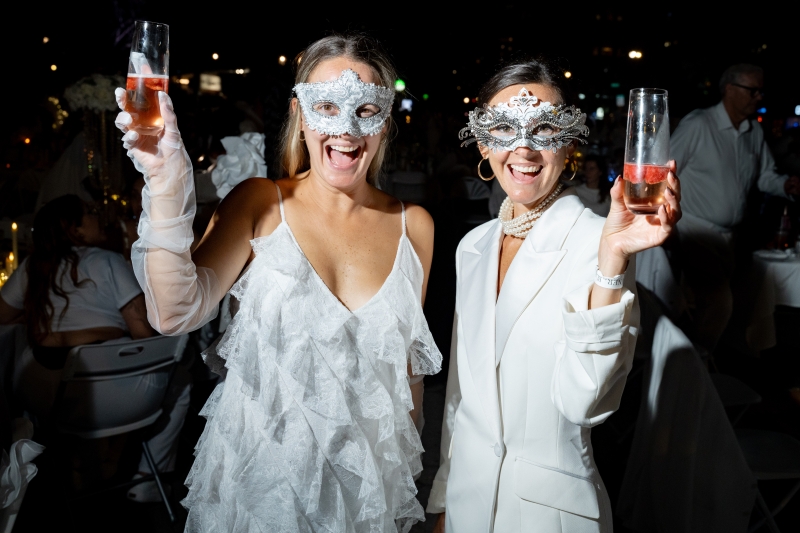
(180, 296)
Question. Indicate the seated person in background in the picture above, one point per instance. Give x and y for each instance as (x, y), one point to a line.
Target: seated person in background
(70, 293)
(593, 192)
(130, 224)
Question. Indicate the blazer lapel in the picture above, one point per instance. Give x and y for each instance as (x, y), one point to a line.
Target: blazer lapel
(479, 288)
(535, 262)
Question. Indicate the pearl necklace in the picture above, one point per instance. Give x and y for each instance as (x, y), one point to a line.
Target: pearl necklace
(520, 227)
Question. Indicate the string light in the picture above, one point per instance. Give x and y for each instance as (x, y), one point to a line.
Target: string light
(282, 60)
(568, 74)
(466, 100)
(53, 68)
(635, 54)
(45, 40)
(215, 56)
(27, 140)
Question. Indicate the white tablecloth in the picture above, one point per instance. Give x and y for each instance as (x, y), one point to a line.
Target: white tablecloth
(778, 283)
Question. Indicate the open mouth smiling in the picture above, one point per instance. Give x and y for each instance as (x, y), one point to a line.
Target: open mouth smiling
(343, 157)
(525, 173)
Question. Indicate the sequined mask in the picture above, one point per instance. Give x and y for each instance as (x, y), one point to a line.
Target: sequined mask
(345, 105)
(521, 122)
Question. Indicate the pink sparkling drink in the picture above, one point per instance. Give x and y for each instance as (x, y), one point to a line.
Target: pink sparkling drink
(645, 186)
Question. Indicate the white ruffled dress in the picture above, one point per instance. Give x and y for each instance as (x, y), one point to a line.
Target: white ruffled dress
(310, 431)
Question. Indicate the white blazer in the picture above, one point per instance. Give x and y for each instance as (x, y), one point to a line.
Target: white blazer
(531, 371)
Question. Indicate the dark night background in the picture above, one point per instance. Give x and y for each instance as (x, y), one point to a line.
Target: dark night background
(427, 41)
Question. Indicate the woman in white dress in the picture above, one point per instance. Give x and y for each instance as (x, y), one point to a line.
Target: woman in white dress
(313, 428)
(595, 189)
(546, 321)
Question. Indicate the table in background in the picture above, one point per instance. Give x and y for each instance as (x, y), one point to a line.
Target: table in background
(777, 282)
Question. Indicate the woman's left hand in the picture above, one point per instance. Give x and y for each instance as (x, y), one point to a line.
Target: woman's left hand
(625, 234)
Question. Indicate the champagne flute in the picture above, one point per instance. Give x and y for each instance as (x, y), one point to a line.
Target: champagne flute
(646, 151)
(148, 73)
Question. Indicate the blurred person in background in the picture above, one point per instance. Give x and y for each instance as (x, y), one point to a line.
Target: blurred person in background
(71, 292)
(594, 191)
(721, 154)
(131, 221)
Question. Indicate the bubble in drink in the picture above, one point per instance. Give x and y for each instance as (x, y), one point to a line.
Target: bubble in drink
(645, 186)
(143, 104)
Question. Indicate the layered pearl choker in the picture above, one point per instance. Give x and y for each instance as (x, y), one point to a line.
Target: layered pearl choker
(520, 227)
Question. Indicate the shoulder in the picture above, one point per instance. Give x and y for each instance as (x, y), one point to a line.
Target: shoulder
(476, 234)
(91, 255)
(419, 228)
(97, 260)
(699, 118)
(252, 191)
(418, 221)
(251, 202)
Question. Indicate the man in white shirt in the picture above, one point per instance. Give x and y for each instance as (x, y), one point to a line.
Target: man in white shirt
(721, 153)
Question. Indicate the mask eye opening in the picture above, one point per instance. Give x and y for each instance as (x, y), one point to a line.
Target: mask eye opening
(325, 108)
(368, 110)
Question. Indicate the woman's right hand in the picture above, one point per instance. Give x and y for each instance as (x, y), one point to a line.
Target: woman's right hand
(439, 527)
(155, 156)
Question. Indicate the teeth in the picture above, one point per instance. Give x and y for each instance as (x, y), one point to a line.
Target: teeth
(532, 168)
(344, 148)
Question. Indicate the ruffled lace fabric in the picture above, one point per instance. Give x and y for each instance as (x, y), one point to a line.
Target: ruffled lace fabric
(311, 429)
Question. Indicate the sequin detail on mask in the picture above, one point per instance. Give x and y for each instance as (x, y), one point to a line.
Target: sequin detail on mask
(520, 122)
(348, 93)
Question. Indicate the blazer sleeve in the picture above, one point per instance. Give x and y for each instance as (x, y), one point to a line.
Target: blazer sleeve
(436, 500)
(593, 361)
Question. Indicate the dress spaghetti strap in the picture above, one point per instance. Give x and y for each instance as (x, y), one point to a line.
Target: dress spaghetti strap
(403, 207)
(283, 217)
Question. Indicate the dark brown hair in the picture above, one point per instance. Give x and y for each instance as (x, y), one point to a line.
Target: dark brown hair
(539, 70)
(359, 48)
(52, 247)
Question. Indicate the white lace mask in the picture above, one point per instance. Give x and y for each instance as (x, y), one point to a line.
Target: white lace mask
(345, 105)
(521, 122)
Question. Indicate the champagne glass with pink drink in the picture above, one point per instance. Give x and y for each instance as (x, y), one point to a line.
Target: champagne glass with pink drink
(646, 151)
(148, 73)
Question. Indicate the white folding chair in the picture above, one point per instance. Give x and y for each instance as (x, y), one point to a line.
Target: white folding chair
(111, 389)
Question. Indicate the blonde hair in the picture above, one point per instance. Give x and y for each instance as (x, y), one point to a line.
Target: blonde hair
(294, 157)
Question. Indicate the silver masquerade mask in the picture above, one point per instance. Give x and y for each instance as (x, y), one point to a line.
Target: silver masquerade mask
(345, 105)
(521, 122)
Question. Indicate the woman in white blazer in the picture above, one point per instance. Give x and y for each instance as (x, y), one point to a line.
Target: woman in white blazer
(545, 324)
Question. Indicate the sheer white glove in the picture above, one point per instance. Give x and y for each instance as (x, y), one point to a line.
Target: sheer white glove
(180, 297)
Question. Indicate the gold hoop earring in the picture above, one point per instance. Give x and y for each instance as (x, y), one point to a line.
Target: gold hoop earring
(574, 166)
(302, 136)
(479, 170)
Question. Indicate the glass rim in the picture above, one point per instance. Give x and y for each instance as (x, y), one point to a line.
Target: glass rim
(649, 91)
(136, 23)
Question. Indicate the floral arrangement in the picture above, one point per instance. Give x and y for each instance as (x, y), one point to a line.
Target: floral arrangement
(94, 93)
